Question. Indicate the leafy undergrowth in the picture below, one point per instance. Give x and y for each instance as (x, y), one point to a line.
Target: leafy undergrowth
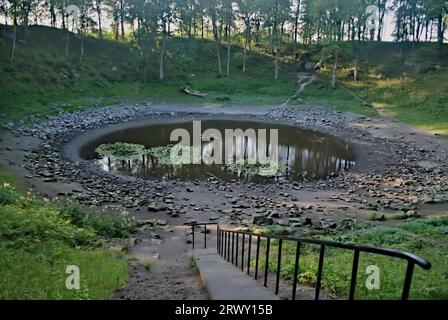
(407, 82)
(321, 92)
(41, 80)
(424, 237)
(39, 239)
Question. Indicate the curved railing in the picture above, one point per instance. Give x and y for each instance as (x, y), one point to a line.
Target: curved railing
(228, 241)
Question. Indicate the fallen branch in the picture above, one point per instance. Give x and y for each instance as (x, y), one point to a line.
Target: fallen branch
(213, 176)
(191, 92)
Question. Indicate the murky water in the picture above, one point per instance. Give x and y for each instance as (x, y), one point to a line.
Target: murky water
(306, 154)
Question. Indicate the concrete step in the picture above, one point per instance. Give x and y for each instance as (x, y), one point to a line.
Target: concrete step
(226, 282)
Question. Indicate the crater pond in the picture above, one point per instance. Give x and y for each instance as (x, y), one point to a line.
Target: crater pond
(302, 154)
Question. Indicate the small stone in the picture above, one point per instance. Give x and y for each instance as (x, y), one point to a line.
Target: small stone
(411, 214)
(153, 208)
(307, 222)
(262, 220)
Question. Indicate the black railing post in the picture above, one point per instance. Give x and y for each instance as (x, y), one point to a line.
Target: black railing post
(236, 250)
(205, 236)
(224, 244)
(266, 265)
(242, 252)
(296, 271)
(217, 238)
(232, 254)
(257, 257)
(279, 259)
(192, 232)
(407, 280)
(221, 240)
(233, 245)
(228, 246)
(248, 254)
(319, 271)
(351, 295)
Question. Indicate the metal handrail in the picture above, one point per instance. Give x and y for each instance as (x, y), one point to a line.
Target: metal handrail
(226, 248)
(205, 224)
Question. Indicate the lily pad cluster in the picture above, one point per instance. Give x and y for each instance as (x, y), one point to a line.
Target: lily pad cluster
(257, 168)
(163, 154)
(130, 151)
(121, 150)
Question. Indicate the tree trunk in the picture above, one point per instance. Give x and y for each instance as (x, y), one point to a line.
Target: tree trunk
(82, 45)
(122, 18)
(202, 27)
(14, 39)
(333, 75)
(162, 57)
(52, 16)
(277, 58)
(217, 42)
(67, 41)
(440, 29)
(245, 49)
(27, 18)
(98, 11)
(296, 27)
(257, 32)
(228, 47)
(67, 32)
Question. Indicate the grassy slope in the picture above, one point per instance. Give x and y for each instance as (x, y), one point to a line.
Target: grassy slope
(411, 87)
(424, 237)
(41, 79)
(38, 240)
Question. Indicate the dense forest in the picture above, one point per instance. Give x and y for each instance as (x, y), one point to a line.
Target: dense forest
(359, 82)
(279, 23)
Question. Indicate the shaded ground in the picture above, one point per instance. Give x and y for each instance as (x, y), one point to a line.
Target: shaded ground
(163, 269)
(400, 169)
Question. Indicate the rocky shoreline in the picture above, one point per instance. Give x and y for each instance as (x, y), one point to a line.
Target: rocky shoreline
(392, 175)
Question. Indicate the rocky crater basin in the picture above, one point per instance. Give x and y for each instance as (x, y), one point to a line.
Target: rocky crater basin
(302, 153)
(397, 171)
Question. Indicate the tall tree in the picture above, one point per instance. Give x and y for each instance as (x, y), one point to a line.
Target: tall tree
(275, 14)
(214, 11)
(247, 10)
(228, 16)
(97, 7)
(14, 12)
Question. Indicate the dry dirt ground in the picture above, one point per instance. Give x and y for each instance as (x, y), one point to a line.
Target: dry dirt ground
(401, 169)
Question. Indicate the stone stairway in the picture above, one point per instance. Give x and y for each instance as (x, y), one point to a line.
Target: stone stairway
(226, 282)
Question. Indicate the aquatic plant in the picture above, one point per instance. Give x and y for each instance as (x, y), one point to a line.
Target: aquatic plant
(120, 150)
(257, 168)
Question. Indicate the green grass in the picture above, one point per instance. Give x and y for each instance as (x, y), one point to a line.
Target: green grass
(410, 87)
(40, 274)
(42, 81)
(39, 239)
(320, 92)
(421, 102)
(424, 237)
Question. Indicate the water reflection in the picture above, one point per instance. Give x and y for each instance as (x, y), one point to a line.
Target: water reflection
(306, 154)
